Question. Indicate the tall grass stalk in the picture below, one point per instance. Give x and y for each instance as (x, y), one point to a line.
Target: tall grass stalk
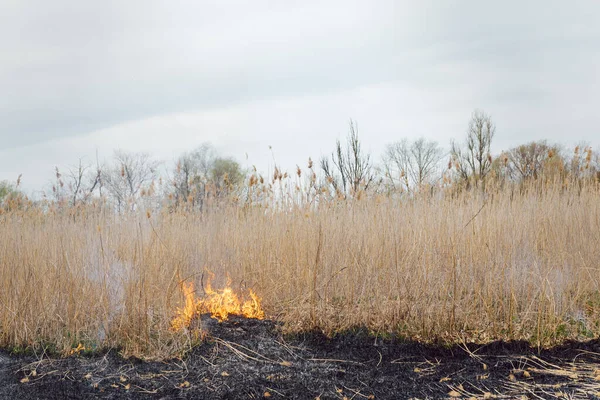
(513, 264)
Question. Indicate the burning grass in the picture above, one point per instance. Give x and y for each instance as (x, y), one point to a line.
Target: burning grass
(513, 264)
(220, 304)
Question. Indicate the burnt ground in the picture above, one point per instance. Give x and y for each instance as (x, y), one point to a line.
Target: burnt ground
(250, 359)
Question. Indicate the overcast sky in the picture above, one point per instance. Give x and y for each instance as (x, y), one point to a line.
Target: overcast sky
(84, 77)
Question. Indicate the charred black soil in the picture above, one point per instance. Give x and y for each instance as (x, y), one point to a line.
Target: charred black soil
(250, 359)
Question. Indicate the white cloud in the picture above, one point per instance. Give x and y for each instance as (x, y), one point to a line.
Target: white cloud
(295, 127)
(163, 77)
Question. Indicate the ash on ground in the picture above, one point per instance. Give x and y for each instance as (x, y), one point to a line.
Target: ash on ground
(251, 359)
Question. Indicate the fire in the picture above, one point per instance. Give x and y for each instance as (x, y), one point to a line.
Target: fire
(184, 315)
(222, 303)
(219, 303)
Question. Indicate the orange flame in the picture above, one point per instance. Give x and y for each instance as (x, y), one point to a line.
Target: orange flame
(222, 303)
(184, 315)
(219, 303)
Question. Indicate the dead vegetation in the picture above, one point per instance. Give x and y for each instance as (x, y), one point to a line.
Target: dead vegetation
(515, 262)
(249, 358)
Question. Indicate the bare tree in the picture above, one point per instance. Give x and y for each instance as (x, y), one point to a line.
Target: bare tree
(82, 181)
(192, 174)
(474, 161)
(411, 164)
(128, 175)
(528, 161)
(350, 169)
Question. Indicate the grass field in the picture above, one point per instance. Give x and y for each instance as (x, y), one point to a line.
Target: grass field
(510, 264)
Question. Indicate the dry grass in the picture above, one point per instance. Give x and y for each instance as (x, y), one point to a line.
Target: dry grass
(511, 265)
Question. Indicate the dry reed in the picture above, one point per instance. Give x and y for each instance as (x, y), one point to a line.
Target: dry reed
(508, 265)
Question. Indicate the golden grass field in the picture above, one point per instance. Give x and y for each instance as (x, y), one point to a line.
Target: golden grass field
(515, 263)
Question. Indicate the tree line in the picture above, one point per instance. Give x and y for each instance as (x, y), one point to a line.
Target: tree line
(203, 177)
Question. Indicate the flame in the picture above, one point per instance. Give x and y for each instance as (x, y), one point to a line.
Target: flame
(183, 316)
(222, 303)
(77, 349)
(219, 303)
(251, 308)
